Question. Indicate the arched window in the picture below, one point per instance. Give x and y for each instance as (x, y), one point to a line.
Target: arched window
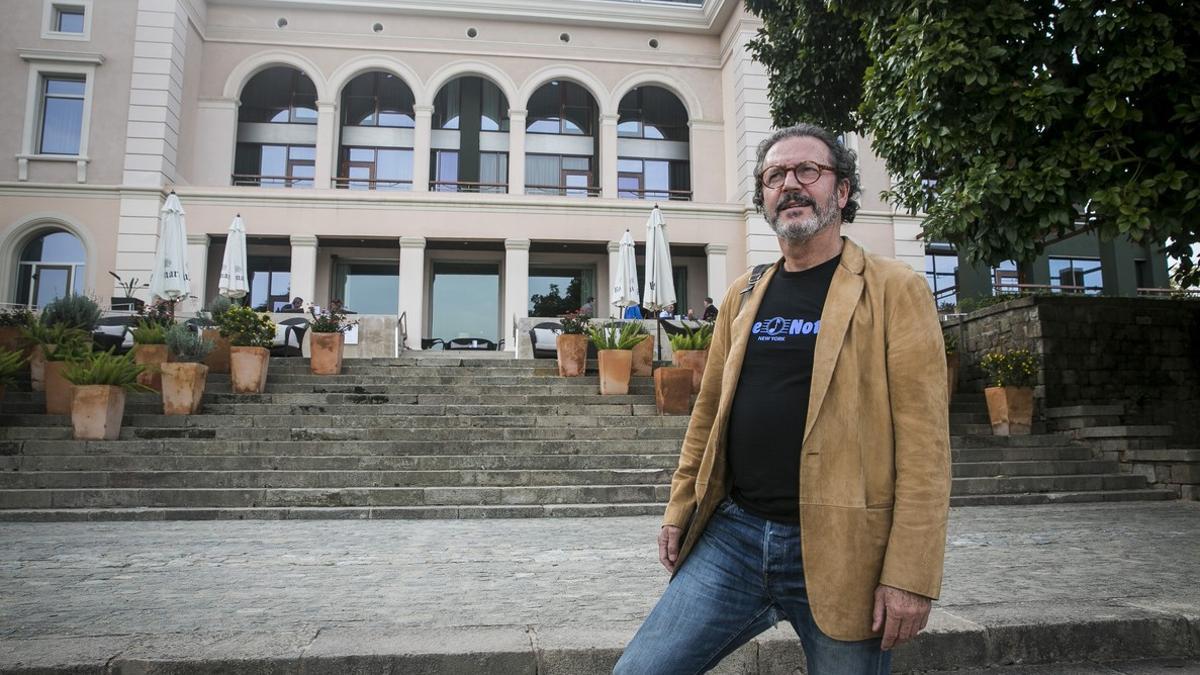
(653, 159)
(377, 137)
(51, 265)
(562, 146)
(266, 155)
(470, 141)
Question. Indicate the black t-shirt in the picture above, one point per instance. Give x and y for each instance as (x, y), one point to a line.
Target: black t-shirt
(770, 407)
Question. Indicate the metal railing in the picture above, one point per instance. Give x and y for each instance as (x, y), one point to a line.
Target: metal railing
(563, 190)
(347, 183)
(467, 186)
(670, 195)
(258, 180)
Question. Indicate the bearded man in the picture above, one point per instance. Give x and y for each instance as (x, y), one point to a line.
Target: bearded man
(814, 480)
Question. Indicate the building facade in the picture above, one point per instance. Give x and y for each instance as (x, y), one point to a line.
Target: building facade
(462, 164)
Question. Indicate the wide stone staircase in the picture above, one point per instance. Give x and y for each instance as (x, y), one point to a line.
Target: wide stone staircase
(438, 436)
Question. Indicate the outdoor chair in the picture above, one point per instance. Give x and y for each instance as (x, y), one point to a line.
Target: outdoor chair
(432, 343)
(542, 338)
(289, 337)
(470, 343)
(114, 332)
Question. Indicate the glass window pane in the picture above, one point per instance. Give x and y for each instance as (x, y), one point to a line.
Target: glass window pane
(303, 152)
(554, 292)
(546, 125)
(394, 165)
(50, 284)
(54, 247)
(576, 163)
(360, 111)
(395, 102)
(70, 21)
(267, 97)
(628, 186)
(274, 160)
(629, 165)
(656, 175)
(62, 125)
(304, 109)
(466, 301)
(362, 154)
(447, 167)
(71, 86)
(370, 288)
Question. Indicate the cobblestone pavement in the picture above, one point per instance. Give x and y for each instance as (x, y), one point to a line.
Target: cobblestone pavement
(92, 580)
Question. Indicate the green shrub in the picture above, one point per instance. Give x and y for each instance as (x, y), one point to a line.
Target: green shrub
(161, 312)
(16, 316)
(1013, 368)
(186, 346)
(150, 333)
(614, 335)
(216, 308)
(330, 321)
(59, 342)
(698, 339)
(951, 341)
(11, 365)
(106, 368)
(244, 327)
(73, 311)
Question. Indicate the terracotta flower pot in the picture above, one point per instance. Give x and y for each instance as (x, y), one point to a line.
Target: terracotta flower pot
(643, 357)
(153, 357)
(218, 359)
(616, 366)
(10, 338)
(183, 387)
(327, 350)
(952, 363)
(58, 389)
(37, 368)
(1010, 410)
(96, 412)
(672, 390)
(248, 369)
(695, 360)
(572, 354)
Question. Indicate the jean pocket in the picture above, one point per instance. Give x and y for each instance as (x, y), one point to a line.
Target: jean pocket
(728, 507)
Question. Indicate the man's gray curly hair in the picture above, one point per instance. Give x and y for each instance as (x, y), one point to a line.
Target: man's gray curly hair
(843, 159)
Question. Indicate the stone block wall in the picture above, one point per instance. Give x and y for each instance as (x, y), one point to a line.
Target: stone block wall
(1140, 352)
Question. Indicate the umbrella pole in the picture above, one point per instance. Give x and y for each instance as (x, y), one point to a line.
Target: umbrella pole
(658, 340)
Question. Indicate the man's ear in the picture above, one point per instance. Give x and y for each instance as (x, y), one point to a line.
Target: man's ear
(843, 189)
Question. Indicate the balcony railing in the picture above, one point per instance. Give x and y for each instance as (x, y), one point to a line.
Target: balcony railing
(467, 186)
(563, 190)
(346, 183)
(670, 195)
(258, 180)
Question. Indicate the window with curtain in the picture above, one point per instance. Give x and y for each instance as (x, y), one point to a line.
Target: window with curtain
(375, 169)
(467, 94)
(653, 179)
(62, 114)
(493, 172)
(270, 165)
(569, 175)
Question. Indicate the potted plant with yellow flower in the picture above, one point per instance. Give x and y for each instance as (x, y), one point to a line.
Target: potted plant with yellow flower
(1013, 374)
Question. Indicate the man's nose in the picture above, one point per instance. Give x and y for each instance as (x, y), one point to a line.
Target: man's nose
(790, 181)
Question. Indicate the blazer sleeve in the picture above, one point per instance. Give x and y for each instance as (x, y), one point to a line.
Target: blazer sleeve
(682, 502)
(916, 377)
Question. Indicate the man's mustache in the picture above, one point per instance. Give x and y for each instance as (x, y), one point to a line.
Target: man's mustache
(794, 200)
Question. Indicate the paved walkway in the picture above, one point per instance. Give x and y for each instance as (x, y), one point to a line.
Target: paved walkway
(1025, 584)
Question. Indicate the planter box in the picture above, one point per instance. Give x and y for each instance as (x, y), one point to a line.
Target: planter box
(153, 357)
(643, 357)
(96, 411)
(693, 359)
(183, 387)
(572, 354)
(673, 390)
(218, 359)
(37, 368)
(327, 350)
(616, 366)
(248, 369)
(58, 389)
(1010, 410)
(10, 338)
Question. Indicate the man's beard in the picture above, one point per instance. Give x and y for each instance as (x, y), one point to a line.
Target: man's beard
(800, 232)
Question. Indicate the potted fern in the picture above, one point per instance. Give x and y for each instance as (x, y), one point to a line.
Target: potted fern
(100, 380)
(643, 353)
(60, 346)
(150, 350)
(217, 359)
(1012, 374)
(327, 343)
(250, 336)
(12, 321)
(11, 365)
(70, 312)
(689, 349)
(571, 345)
(184, 375)
(614, 350)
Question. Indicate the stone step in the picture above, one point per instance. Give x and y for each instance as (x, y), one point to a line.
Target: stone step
(349, 433)
(323, 448)
(604, 408)
(320, 398)
(335, 462)
(1060, 483)
(1085, 411)
(248, 480)
(987, 440)
(1032, 468)
(1065, 497)
(1021, 454)
(320, 497)
(1128, 431)
(361, 421)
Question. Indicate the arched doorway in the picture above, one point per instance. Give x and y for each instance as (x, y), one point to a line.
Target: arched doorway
(51, 265)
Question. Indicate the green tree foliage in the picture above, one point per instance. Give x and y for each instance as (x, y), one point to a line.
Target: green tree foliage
(554, 303)
(1010, 123)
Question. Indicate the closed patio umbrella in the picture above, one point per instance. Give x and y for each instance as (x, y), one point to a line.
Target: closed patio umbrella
(232, 282)
(660, 281)
(169, 280)
(625, 283)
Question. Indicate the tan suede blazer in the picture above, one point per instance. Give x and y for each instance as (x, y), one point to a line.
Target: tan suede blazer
(875, 473)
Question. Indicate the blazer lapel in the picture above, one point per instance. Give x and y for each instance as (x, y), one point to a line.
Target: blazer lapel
(840, 302)
(739, 332)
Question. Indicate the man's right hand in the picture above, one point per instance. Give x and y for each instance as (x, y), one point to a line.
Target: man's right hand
(668, 546)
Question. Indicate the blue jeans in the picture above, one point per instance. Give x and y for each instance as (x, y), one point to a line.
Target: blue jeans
(744, 576)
